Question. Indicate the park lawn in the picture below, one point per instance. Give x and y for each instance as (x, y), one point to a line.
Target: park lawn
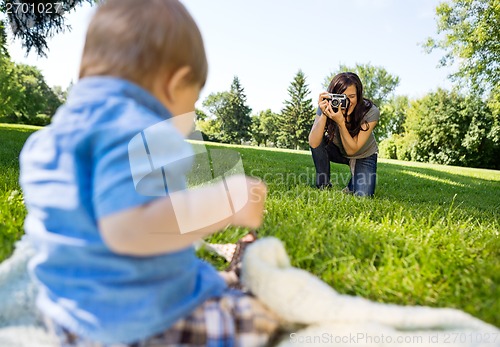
(12, 211)
(429, 237)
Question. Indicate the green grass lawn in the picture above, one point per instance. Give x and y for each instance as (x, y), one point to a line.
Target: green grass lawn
(429, 237)
(12, 211)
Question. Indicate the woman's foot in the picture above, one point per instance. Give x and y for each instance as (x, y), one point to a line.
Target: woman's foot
(347, 191)
(324, 186)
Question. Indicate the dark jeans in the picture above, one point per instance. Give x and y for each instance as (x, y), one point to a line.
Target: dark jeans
(363, 179)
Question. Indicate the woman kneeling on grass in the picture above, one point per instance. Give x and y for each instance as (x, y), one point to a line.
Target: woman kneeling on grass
(345, 135)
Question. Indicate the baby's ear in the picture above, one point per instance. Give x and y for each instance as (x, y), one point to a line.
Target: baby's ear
(176, 81)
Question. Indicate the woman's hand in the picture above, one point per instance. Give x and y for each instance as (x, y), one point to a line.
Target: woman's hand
(323, 101)
(326, 108)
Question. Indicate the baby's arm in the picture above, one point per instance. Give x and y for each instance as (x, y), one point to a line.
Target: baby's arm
(154, 228)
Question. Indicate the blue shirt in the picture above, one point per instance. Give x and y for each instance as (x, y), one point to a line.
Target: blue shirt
(76, 171)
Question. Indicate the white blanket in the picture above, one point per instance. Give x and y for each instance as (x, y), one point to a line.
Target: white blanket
(300, 299)
(20, 325)
(333, 319)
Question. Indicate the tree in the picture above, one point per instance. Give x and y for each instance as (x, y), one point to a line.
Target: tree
(210, 129)
(200, 114)
(24, 94)
(453, 129)
(60, 93)
(378, 86)
(25, 97)
(393, 116)
(269, 123)
(10, 90)
(258, 136)
(265, 127)
(35, 21)
(9, 87)
(3, 40)
(494, 105)
(231, 113)
(217, 106)
(239, 117)
(470, 36)
(296, 118)
(36, 97)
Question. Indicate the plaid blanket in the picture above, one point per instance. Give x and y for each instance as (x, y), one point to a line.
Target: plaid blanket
(234, 319)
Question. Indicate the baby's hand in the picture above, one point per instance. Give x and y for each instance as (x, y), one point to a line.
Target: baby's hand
(248, 196)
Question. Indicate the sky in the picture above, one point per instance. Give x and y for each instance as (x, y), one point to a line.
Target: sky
(266, 42)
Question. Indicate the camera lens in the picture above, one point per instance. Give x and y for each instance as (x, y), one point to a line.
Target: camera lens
(335, 103)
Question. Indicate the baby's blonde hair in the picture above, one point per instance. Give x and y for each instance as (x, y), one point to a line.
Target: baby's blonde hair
(140, 39)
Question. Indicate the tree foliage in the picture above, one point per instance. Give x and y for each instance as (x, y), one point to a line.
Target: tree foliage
(33, 22)
(230, 111)
(470, 36)
(25, 96)
(35, 97)
(200, 114)
(265, 127)
(258, 136)
(3, 40)
(217, 106)
(449, 128)
(210, 129)
(297, 117)
(393, 116)
(9, 87)
(378, 86)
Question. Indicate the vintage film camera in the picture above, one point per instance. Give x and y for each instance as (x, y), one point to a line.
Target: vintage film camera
(338, 100)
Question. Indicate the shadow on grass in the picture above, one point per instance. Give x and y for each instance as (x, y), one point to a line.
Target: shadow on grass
(426, 186)
(417, 187)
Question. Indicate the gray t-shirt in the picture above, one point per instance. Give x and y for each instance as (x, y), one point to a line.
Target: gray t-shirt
(370, 147)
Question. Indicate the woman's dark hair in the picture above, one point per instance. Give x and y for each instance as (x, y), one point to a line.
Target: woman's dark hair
(338, 85)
